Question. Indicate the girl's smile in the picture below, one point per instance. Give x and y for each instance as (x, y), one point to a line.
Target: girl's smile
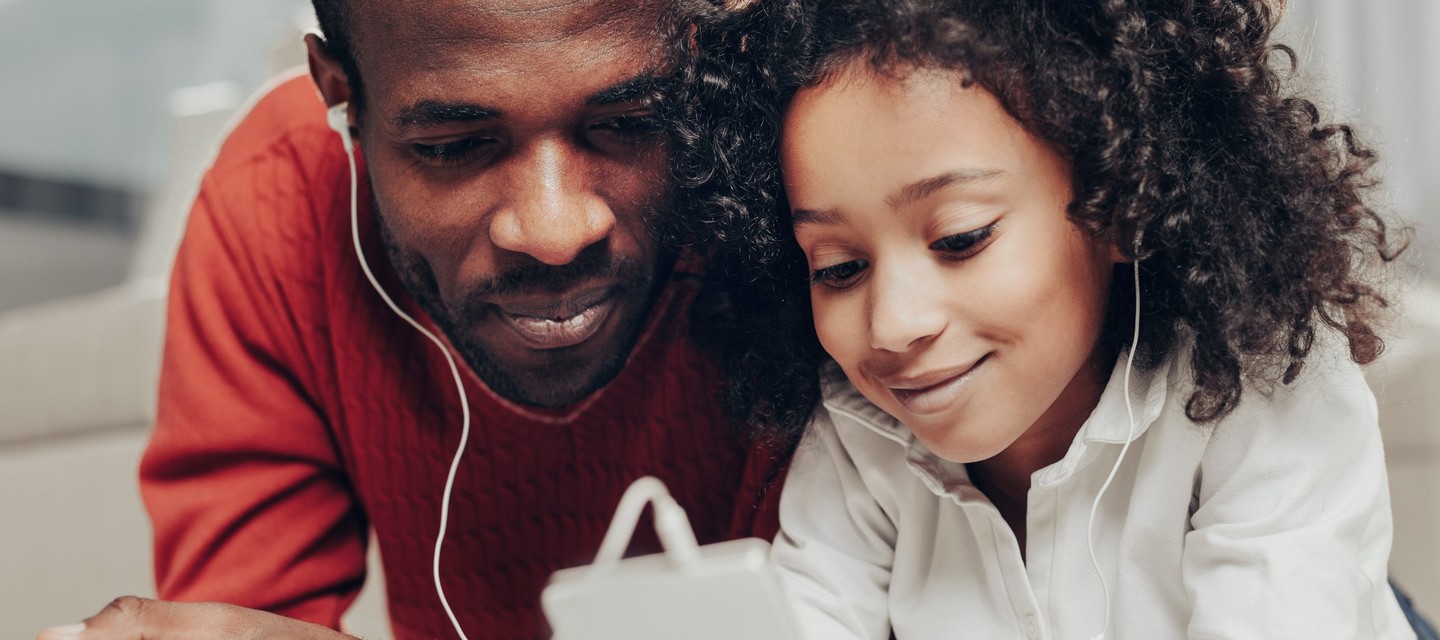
(932, 392)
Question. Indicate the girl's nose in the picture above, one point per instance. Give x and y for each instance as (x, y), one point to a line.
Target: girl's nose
(903, 314)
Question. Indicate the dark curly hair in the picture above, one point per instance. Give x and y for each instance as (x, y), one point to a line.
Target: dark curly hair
(1178, 122)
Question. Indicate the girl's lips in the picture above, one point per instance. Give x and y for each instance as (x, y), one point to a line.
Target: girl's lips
(555, 333)
(928, 398)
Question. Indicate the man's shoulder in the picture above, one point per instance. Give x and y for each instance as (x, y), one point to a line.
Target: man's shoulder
(279, 156)
(275, 196)
(287, 111)
(280, 172)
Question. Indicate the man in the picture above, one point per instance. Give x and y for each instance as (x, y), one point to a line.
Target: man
(515, 169)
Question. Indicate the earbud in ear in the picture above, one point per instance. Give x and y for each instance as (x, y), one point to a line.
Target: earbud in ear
(338, 118)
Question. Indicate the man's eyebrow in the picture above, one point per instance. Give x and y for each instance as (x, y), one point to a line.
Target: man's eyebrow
(646, 87)
(430, 113)
(920, 189)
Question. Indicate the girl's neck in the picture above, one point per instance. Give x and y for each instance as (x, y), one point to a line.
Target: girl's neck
(1005, 478)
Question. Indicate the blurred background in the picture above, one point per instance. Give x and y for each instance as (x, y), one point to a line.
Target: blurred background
(88, 120)
(110, 111)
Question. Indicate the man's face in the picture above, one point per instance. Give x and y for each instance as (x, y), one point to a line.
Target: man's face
(515, 162)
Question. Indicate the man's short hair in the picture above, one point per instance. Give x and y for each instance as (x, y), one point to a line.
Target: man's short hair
(336, 28)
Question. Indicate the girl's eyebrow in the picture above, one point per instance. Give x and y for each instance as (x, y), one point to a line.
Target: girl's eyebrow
(827, 217)
(918, 190)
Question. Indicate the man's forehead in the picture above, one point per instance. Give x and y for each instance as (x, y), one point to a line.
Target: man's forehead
(386, 27)
(495, 52)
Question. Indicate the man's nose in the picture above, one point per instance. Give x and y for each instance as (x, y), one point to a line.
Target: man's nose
(552, 212)
(903, 313)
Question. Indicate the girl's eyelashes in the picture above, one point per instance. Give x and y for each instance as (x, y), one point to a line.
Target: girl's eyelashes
(959, 246)
(964, 245)
(840, 276)
(453, 153)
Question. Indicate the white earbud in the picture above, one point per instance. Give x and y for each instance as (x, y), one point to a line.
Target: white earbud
(338, 117)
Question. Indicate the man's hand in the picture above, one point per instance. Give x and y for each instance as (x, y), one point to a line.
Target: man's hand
(132, 618)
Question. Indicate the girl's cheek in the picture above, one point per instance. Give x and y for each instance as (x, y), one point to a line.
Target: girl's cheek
(834, 328)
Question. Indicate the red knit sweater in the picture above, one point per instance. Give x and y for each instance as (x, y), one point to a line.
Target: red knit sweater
(296, 412)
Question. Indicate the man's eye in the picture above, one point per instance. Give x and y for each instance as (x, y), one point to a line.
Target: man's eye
(964, 245)
(452, 153)
(840, 276)
(631, 125)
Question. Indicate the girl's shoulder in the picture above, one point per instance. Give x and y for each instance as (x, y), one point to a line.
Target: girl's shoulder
(1326, 415)
(1329, 392)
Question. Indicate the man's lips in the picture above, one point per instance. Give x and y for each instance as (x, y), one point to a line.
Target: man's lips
(934, 391)
(561, 321)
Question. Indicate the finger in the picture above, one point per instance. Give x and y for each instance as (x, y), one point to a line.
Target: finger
(119, 620)
(67, 632)
(131, 618)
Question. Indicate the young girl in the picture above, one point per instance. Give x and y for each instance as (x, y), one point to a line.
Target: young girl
(1092, 293)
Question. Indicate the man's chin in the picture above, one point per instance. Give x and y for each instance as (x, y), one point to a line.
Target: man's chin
(528, 359)
(559, 383)
(520, 372)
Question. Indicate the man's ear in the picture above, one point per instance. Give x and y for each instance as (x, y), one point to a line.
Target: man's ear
(328, 73)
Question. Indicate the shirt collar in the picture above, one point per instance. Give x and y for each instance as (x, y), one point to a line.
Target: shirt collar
(942, 477)
(1109, 423)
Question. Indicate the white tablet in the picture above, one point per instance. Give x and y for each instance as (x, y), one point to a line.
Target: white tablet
(729, 593)
(724, 591)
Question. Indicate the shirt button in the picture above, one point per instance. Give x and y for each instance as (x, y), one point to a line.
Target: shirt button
(1032, 628)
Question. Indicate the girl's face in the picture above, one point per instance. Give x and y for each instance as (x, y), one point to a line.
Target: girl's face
(947, 280)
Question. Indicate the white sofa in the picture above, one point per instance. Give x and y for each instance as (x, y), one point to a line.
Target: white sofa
(1406, 381)
(78, 382)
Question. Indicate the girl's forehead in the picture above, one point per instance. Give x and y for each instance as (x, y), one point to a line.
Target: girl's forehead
(897, 83)
(896, 128)
(858, 100)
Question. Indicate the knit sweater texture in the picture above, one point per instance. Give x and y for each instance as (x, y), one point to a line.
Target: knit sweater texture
(297, 414)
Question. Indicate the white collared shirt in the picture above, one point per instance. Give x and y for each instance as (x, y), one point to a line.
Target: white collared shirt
(1273, 523)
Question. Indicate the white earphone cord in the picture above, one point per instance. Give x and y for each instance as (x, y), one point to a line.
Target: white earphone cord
(1130, 413)
(454, 371)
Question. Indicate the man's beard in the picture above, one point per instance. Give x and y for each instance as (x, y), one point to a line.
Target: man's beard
(566, 379)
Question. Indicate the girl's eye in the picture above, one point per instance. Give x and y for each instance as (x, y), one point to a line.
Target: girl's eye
(964, 245)
(453, 153)
(840, 276)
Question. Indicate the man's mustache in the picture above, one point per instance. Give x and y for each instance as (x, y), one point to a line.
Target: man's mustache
(532, 276)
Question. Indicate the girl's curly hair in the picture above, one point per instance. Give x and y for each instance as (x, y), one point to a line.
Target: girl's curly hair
(1178, 124)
